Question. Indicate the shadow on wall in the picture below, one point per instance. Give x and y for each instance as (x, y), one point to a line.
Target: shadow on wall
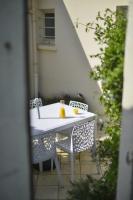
(124, 186)
(67, 69)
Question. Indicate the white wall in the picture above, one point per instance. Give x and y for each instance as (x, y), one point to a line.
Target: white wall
(125, 178)
(66, 69)
(15, 175)
(86, 11)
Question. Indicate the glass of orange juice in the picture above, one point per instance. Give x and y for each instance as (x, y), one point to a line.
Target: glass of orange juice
(75, 111)
(62, 112)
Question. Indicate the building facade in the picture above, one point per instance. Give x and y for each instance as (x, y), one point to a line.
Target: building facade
(60, 52)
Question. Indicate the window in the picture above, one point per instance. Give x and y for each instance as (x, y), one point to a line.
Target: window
(47, 27)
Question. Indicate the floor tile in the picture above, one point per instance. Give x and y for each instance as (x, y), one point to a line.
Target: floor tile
(46, 192)
(35, 179)
(88, 169)
(85, 156)
(48, 180)
(46, 183)
(66, 169)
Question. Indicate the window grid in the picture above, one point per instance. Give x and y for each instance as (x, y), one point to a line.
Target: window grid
(47, 28)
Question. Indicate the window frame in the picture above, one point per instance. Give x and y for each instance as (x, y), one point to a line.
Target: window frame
(45, 38)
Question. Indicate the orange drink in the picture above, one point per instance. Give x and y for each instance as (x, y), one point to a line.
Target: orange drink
(75, 110)
(62, 112)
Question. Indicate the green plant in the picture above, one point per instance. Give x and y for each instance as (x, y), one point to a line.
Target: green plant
(109, 31)
(111, 38)
(91, 189)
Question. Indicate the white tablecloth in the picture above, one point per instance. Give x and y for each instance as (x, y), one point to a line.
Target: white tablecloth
(49, 118)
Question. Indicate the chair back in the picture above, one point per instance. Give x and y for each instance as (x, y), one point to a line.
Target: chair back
(83, 136)
(80, 105)
(43, 147)
(34, 102)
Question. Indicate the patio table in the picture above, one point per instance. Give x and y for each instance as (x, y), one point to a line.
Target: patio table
(51, 122)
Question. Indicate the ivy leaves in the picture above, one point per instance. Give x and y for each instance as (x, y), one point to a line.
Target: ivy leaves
(109, 33)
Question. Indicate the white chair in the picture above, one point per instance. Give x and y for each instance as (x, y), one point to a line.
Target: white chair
(44, 148)
(80, 105)
(66, 133)
(81, 139)
(34, 102)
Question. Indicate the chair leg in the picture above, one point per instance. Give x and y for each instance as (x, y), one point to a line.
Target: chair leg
(72, 166)
(41, 166)
(58, 170)
(52, 164)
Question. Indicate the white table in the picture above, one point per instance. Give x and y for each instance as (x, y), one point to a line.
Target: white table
(50, 122)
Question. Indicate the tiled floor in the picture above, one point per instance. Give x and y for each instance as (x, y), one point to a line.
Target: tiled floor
(46, 183)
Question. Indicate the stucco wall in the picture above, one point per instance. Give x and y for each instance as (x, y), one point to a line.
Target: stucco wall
(66, 69)
(87, 12)
(125, 175)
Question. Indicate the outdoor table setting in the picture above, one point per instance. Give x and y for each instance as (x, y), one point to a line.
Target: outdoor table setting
(49, 120)
(57, 117)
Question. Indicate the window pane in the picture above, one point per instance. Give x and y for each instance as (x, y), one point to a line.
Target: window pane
(47, 27)
(50, 32)
(49, 22)
(49, 15)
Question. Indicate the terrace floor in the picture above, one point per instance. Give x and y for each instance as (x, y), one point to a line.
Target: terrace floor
(46, 183)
